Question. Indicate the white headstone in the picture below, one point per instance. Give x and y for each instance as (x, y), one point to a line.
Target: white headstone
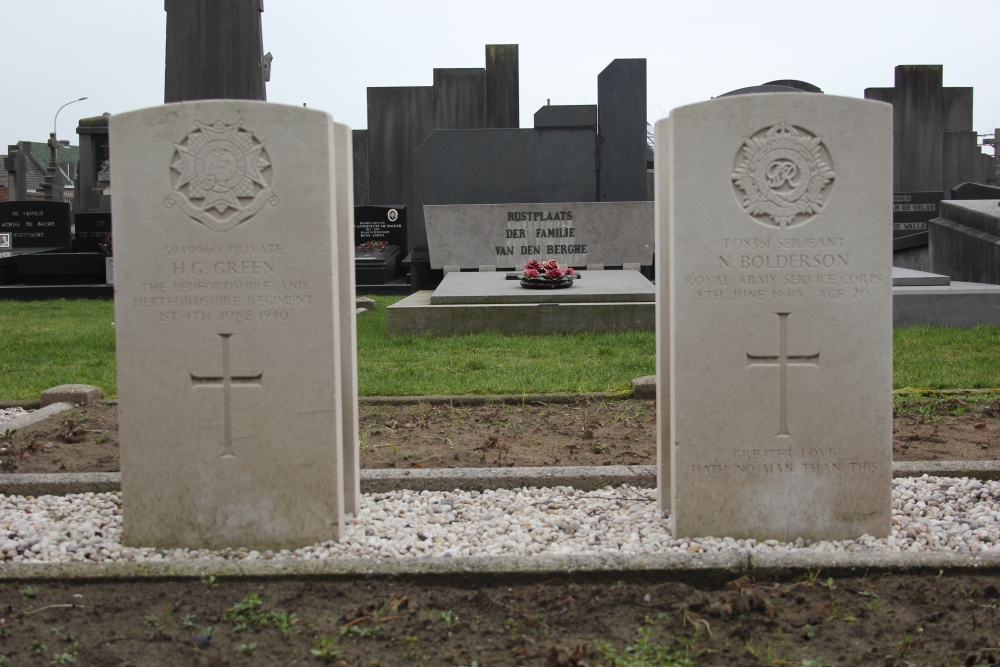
(348, 323)
(230, 323)
(779, 312)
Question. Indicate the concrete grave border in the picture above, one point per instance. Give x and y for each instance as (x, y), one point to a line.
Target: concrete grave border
(703, 568)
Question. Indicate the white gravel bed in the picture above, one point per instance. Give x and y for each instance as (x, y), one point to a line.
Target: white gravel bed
(929, 514)
(8, 414)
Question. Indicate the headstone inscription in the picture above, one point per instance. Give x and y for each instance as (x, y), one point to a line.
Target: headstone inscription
(227, 297)
(91, 232)
(506, 236)
(379, 243)
(777, 214)
(36, 224)
(910, 213)
(380, 224)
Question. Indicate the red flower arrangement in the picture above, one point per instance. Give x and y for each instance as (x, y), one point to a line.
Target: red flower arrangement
(373, 246)
(547, 274)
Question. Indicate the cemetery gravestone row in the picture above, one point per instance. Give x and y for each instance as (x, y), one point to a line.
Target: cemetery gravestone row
(775, 210)
(231, 324)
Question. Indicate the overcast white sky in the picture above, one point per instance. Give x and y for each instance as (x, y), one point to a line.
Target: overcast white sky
(326, 52)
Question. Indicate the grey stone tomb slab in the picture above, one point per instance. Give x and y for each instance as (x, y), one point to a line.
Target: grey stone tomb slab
(575, 234)
(780, 316)
(230, 323)
(965, 241)
(603, 287)
(599, 302)
(910, 277)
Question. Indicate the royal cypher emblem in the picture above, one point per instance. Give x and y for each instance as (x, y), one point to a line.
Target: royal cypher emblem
(221, 176)
(781, 173)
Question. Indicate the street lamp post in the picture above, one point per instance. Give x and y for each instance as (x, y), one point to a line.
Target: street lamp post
(56, 180)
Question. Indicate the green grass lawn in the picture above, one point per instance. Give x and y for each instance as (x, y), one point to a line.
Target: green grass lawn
(943, 358)
(46, 343)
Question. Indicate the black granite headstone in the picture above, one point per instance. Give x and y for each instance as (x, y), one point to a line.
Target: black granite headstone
(765, 88)
(377, 266)
(91, 231)
(36, 224)
(359, 143)
(399, 120)
(621, 124)
(804, 86)
(214, 50)
(502, 93)
(975, 191)
(923, 112)
(910, 213)
(562, 116)
(459, 98)
(381, 224)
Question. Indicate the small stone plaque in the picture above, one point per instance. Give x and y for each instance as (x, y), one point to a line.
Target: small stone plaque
(910, 213)
(36, 224)
(775, 209)
(230, 325)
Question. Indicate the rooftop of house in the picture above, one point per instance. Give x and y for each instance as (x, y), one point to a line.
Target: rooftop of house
(38, 154)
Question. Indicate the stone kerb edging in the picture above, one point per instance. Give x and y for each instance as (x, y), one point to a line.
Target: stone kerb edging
(454, 399)
(834, 563)
(582, 478)
(486, 399)
(703, 568)
(35, 417)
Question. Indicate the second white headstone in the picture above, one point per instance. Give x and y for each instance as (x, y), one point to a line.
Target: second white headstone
(779, 315)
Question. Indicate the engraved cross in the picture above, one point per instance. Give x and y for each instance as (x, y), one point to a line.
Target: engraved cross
(783, 360)
(226, 382)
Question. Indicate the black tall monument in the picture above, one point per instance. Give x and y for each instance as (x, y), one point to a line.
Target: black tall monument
(215, 50)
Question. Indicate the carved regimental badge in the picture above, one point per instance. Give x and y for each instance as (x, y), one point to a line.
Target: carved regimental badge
(780, 175)
(221, 176)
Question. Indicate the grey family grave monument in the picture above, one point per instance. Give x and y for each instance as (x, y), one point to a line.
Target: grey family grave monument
(505, 236)
(235, 323)
(776, 296)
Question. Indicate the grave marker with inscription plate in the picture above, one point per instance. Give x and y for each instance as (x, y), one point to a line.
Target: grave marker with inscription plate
(230, 326)
(91, 230)
(380, 223)
(776, 216)
(379, 243)
(910, 213)
(36, 224)
(508, 235)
